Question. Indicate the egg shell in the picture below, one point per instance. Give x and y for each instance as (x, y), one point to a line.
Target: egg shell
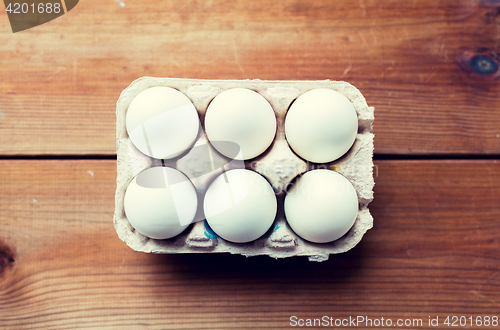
(162, 122)
(241, 116)
(160, 202)
(321, 206)
(240, 206)
(278, 164)
(321, 125)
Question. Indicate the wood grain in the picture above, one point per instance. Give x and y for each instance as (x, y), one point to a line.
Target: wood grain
(434, 251)
(60, 81)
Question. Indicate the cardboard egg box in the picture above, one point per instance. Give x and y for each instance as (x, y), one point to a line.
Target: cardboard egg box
(278, 164)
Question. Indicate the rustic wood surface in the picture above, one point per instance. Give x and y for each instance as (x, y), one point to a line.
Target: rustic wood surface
(435, 247)
(433, 252)
(60, 81)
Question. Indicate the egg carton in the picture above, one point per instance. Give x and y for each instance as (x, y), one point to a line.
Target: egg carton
(278, 164)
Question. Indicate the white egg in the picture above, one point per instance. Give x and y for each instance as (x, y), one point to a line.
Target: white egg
(162, 122)
(160, 202)
(321, 206)
(321, 125)
(242, 117)
(240, 206)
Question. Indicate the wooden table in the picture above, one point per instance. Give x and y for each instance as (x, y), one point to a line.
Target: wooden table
(430, 69)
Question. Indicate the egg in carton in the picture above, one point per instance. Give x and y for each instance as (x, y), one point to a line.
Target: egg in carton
(278, 164)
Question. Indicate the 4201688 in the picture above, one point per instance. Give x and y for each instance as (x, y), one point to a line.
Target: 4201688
(31, 8)
(478, 321)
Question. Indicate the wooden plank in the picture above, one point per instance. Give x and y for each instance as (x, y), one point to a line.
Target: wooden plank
(434, 251)
(60, 81)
